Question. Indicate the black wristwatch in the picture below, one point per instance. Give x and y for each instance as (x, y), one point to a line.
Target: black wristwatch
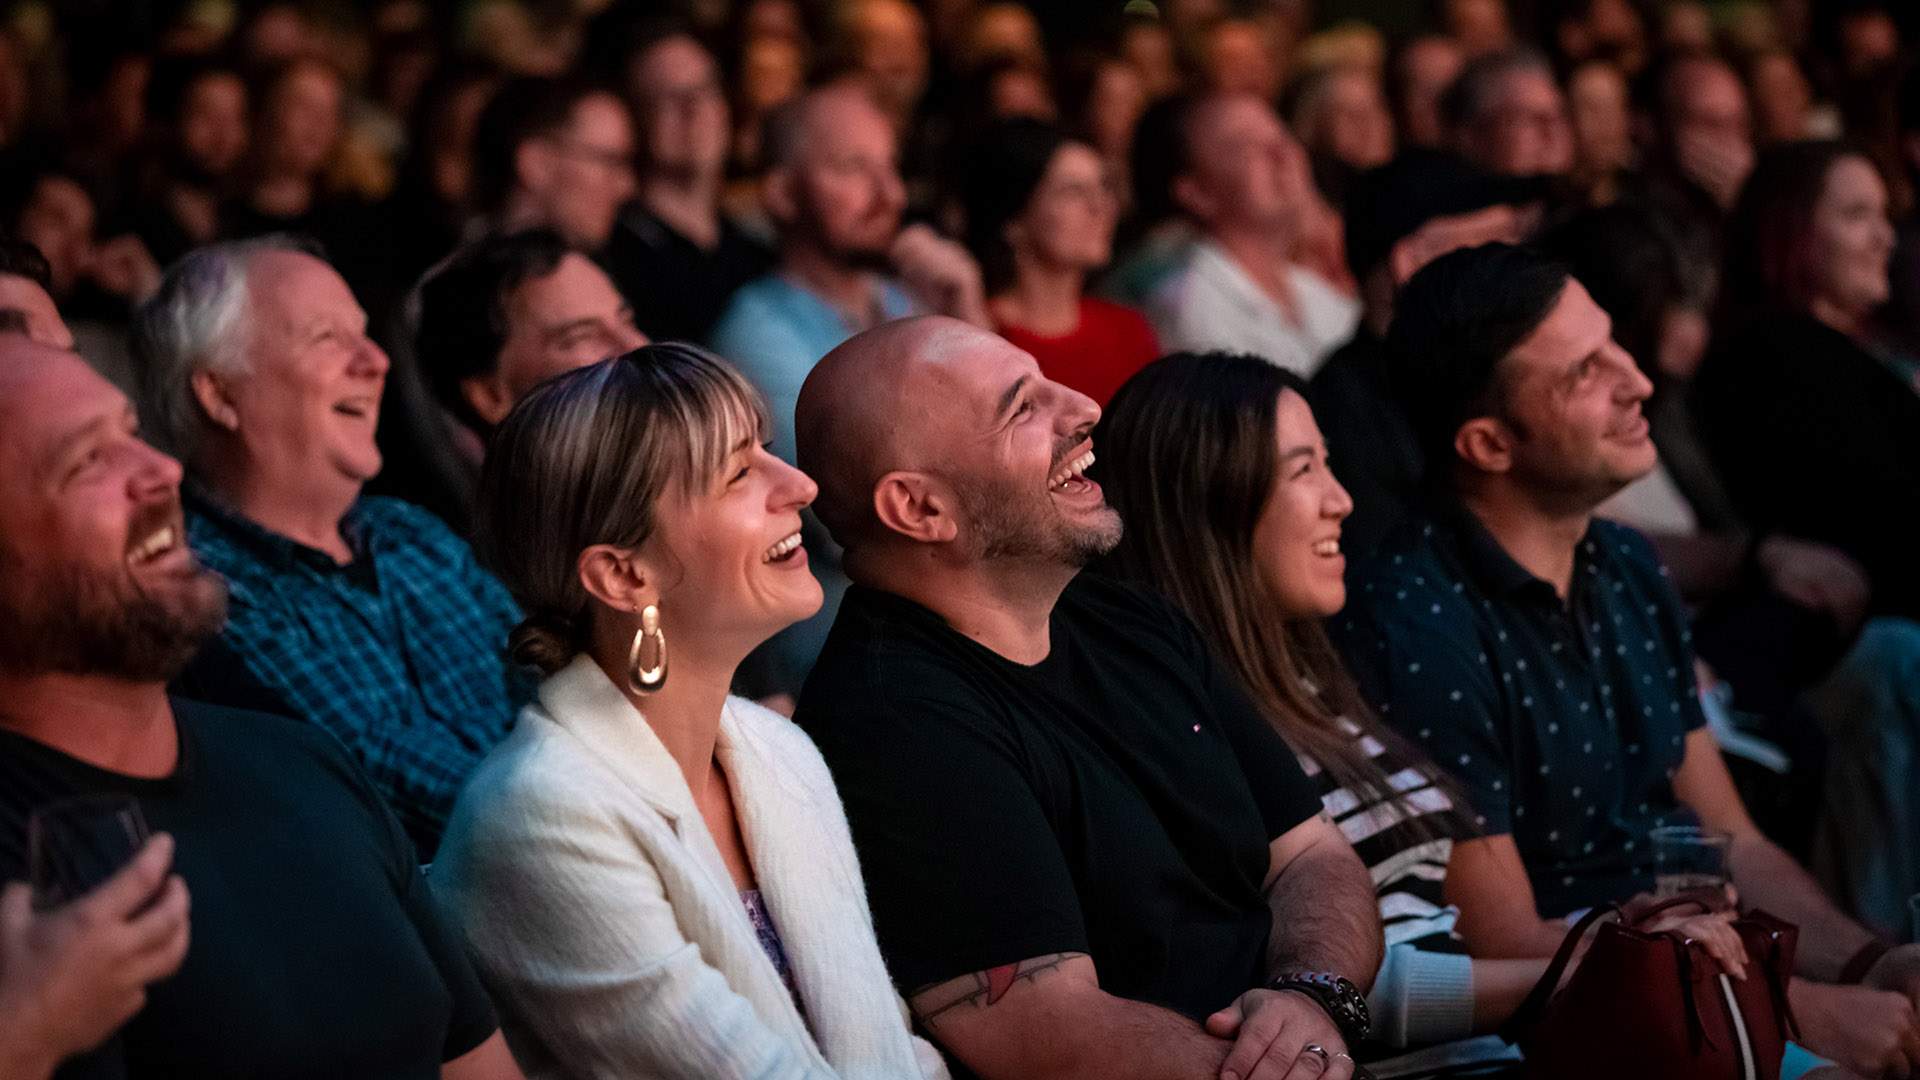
(1343, 1001)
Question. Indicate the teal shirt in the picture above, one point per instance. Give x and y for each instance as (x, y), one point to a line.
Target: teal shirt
(775, 330)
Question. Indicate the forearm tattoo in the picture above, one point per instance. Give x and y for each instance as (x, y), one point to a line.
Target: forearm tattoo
(982, 988)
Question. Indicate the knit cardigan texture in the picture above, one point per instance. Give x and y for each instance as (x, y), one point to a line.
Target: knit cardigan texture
(607, 927)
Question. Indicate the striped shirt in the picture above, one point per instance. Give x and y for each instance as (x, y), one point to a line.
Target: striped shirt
(1424, 993)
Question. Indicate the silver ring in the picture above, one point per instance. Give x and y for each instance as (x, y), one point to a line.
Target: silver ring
(1326, 1059)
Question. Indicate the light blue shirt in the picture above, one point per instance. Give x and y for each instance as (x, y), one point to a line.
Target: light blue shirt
(774, 330)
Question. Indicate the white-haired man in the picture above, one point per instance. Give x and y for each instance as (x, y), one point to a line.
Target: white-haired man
(364, 615)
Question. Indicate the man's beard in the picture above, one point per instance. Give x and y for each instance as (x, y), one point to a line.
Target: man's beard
(1010, 523)
(79, 622)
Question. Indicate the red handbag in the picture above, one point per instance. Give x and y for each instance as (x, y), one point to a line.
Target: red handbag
(1656, 1006)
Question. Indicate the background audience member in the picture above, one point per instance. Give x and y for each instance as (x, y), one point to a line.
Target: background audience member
(198, 110)
(1399, 218)
(1506, 114)
(1581, 731)
(554, 153)
(24, 283)
(1340, 116)
(675, 255)
(1418, 79)
(1242, 181)
(1602, 125)
(1040, 214)
(546, 309)
(432, 204)
(1116, 894)
(314, 937)
(657, 877)
(1810, 422)
(1701, 154)
(365, 616)
(835, 193)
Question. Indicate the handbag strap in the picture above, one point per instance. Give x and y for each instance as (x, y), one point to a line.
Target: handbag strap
(1530, 1010)
(1702, 897)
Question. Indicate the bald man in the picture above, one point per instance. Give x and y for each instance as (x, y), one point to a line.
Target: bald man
(835, 195)
(1088, 854)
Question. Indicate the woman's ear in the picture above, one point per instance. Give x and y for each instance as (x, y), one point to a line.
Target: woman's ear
(617, 577)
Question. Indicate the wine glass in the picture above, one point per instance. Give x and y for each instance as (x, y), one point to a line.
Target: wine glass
(74, 844)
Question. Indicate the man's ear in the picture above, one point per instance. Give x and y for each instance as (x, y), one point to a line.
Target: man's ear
(778, 196)
(488, 396)
(913, 505)
(216, 403)
(1485, 444)
(617, 577)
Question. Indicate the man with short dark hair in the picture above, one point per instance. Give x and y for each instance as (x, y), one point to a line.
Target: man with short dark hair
(556, 153)
(316, 950)
(1540, 655)
(497, 318)
(1088, 854)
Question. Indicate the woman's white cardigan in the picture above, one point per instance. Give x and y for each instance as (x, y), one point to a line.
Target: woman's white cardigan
(609, 930)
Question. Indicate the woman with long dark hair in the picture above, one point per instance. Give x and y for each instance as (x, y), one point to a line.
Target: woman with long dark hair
(1220, 474)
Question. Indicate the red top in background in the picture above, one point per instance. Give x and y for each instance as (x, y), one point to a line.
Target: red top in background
(1109, 345)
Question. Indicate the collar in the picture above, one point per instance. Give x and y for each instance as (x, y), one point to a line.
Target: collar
(583, 701)
(1490, 564)
(265, 544)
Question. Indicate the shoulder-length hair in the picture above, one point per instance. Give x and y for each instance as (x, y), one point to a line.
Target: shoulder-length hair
(1770, 261)
(588, 458)
(1189, 459)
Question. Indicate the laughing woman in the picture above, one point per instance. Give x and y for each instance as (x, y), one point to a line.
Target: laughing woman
(656, 877)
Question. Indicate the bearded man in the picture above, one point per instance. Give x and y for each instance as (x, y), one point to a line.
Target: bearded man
(1087, 853)
(316, 952)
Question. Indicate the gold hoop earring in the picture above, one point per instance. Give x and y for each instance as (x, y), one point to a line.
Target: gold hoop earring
(652, 676)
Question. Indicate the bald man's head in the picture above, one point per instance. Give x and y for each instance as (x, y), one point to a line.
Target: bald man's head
(931, 431)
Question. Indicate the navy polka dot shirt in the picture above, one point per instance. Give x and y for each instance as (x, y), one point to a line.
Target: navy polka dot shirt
(1564, 721)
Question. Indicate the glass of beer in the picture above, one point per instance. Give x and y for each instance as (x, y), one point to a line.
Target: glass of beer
(1687, 857)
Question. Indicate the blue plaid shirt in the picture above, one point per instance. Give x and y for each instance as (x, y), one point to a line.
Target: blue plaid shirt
(400, 653)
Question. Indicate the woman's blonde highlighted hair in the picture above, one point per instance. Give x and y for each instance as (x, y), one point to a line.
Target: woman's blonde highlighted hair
(589, 457)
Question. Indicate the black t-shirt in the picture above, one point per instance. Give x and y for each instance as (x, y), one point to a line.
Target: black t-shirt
(678, 288)
(1116, 799)
(316, 950)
